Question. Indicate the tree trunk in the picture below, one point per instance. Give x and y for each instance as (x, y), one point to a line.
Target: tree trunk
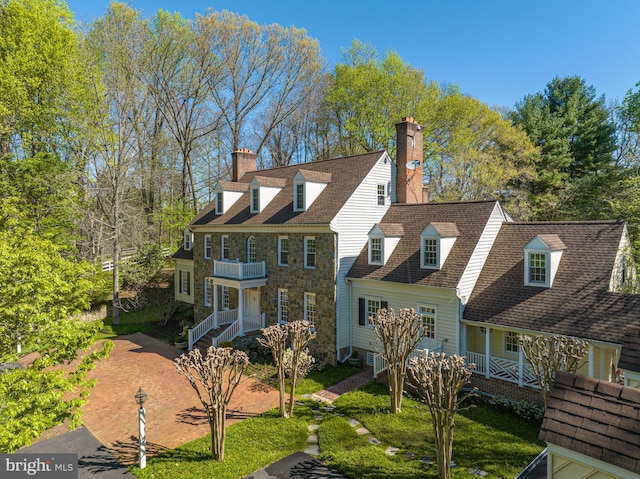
(283, 407)
(294, 378)
(396, 381)
(218, 432)
(116, 279)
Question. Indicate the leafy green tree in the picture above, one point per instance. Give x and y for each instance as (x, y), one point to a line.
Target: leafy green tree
(575, 134)
(40, 290)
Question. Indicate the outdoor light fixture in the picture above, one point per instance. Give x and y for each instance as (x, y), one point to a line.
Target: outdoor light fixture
(141, 397)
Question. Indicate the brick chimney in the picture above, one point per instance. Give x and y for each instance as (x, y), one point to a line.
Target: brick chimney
(409, 149)
(244, 161)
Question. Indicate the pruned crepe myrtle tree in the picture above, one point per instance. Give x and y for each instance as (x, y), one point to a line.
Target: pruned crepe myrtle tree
(397, 337)
(217, 375)
(438, 380)
(302, 333)
(275, 338)
(550, 354)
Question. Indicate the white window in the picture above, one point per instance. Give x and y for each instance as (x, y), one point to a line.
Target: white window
(427, 316)
(224, 292)
(382, 194)
(255, 200)
(429, 252)
(188, 239)
(298, 197)
(511, 342)
(373, 306)
(283, 251)
(251, 249)
(310, 308)
(219, 203)
(185, 282)
(208, 292)
(207, 246)
(375, 251)
(283, 306)
(538, 263)
(224, 247)
(310, 252)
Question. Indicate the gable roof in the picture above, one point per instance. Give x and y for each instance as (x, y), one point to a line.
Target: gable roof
(579, 302)
(403, 266)
(596, 418)
(183, 254)
(344, 176)
(390, 229)
(446, 230)
(630, 352)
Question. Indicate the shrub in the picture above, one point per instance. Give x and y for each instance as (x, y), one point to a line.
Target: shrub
(522, 409)
(226, 344)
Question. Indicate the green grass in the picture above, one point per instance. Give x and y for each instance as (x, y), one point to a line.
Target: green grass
(319, 380)
(145, 320)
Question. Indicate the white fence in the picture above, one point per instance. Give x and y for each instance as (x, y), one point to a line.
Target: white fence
(126, 256)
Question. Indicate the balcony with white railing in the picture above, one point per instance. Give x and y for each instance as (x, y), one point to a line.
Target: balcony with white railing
(239, 271)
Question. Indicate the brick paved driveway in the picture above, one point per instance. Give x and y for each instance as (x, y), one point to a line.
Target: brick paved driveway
(174, 413)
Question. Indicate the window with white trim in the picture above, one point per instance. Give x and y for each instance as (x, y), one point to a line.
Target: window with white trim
(310, 308)
(429, 252)
(283, 251)
(382, 194)
(224, 295)
(373, 306)
(375, 250)
(251, 249)
(427, 316)
(185, 282)
(298, 197)
(283, 306)
(188, 239)
(310, 252)
(224, 247)
(538, 264)
(255, 200)
(208, 292)
(207, 246)
(511, 342)
(219, 203)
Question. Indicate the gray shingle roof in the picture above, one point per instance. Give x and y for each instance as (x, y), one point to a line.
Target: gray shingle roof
(579, 302)
(404, 264)
(596, 418)
(183, 254)
(630, 353)
(344, 174)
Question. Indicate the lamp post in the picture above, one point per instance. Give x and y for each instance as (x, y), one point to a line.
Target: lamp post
(141, 397)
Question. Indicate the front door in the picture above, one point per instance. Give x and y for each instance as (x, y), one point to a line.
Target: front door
(251, 303)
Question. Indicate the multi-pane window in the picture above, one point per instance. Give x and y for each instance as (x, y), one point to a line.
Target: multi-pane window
(283, 251)
(207, 246)
(429, 252)
(310, 308)
(251, 249)
(376, 250)
(283, 306)
(224, 293)
(219, 203)
(224, 247)
(309, 252)
(255, 200)
(208, 292)
(185, 282)
(511, 342)
(373, 306)
(299, 197)
(188, 240)
(381, 194)
(538, 268)
(427, 316)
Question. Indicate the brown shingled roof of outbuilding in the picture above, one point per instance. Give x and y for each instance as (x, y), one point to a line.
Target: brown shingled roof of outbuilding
(596, 418)
(630, 352)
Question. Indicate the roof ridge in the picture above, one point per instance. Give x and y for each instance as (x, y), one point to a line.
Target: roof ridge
(435, 203)
(565, 222)
(313, 162)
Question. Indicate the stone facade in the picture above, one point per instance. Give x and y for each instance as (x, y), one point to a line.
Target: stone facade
(295, 278)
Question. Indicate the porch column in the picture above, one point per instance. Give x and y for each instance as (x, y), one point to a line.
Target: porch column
(591, 361)
(241, 310)
(463, 339)
(215, 306)
(602, 366)
(520, 367)
(487, 353)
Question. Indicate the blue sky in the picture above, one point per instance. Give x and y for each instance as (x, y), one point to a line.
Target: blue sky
(495, 50)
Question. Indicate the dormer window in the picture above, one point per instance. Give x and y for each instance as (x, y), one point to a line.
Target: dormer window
(219, 202)
(255, 200)
(298, 199)
(227, 193)
(263, 189)
(375, 251)
(307, 186)
(383, 238)
(188, 239)
(541, 260)
(436, 242)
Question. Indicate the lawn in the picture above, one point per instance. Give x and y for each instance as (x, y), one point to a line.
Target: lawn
(499, 443)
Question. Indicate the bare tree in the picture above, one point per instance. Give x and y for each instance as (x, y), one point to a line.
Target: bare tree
(397, 337)
(301, 335)
(549, 354)
(214, 378)
(275, 338)
(438, 380)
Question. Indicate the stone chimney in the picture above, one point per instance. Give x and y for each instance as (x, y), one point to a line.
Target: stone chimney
(244, 161)
(409, 152)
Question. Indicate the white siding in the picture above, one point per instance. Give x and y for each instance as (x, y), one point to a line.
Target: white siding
(480, 253)
(183, 265)
(407, 296)
(352, 223)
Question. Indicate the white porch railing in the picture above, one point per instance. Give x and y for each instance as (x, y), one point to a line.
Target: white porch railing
(208, 323)
(380, 364)
(237, 270)
(250, 323)
(504, 369)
